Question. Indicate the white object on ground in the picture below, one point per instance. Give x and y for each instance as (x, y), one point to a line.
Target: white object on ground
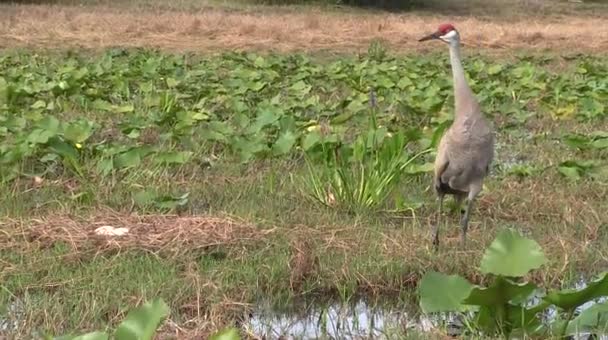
(108, 230)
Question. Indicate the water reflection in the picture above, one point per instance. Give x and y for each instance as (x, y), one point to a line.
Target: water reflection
(359, 320)
(10, 316)
(346, 321)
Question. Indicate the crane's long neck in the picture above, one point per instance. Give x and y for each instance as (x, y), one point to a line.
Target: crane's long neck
(465, 101)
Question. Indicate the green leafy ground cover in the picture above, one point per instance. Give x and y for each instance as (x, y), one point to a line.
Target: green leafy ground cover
(123, 109)
(506, 308)
(155, 133)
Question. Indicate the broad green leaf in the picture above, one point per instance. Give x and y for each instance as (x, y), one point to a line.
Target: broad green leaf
(173, 157)
(404, 82)
(523, 170)
(39, 104)
(171, 82)
(300, 87)
(598, 135)
(124, 108)
(356, 106)
(499, 293)
(171, 202)
(511, 254)
(134, 134)
(141, 323)
(249, 147)
(342, 118)
(105, 166)
(198, 115)
(564, 112)
(63, 149)
(40, 136)
(385, 82)
(129, 158)
(443, 293)
(593, 319)
(575, 169)
(78, 132)
(49, 123)
(144, 197)
(257, 86)
(571, 298)
(101, 105)
(284, 143)
(576, 141)
(260, 62)
(266, 117)
(218, 131)
(87, 336)
(49, 157)
(415, 168)
(226, 334)
(310, 140)
(93, 336)
(600, 143)
(494, 69)
(527, 320)
(522, 320)
(571, 172)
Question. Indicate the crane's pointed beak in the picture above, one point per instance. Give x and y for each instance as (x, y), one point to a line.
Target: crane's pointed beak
(430, 37)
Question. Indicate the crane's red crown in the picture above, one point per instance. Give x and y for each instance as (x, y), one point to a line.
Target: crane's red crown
(445, 28)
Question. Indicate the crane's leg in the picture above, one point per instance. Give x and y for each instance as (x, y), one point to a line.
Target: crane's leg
(464, 222)
(464, 219)
(458, 202)
(437, 222)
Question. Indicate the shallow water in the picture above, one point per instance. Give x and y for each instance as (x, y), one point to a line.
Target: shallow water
(345, 321)
(360, 320)
(10, 318)
(357, 320)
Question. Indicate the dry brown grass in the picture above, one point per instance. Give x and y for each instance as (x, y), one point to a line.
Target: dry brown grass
(155, 233)
(96, 27)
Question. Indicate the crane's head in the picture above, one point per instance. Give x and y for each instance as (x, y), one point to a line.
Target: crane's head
(445, 32)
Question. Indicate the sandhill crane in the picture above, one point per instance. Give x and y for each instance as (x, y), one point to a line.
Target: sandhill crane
(466, 149)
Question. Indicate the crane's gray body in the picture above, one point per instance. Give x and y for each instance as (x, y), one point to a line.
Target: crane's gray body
(466, 150)
(464, 156)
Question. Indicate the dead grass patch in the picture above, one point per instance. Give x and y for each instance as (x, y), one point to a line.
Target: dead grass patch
(98, 27)
(155, 233)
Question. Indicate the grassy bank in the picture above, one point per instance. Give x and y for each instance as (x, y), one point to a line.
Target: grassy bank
(201, 157)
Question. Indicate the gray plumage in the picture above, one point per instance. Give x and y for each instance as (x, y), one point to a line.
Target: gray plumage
(466, 150)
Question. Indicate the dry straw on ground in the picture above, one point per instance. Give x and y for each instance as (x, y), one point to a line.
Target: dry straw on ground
(157, 233)
(211, 30)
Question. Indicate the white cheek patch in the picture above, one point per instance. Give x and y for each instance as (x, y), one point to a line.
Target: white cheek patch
(449, 36)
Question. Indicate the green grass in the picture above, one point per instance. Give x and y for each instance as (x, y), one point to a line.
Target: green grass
(307, 251)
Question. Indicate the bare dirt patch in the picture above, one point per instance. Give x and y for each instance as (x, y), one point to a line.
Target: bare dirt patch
(216, 29)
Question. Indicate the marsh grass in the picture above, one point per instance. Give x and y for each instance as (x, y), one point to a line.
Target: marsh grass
(279, 246)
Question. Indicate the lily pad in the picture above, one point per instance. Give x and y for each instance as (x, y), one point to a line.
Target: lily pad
(512, 255)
